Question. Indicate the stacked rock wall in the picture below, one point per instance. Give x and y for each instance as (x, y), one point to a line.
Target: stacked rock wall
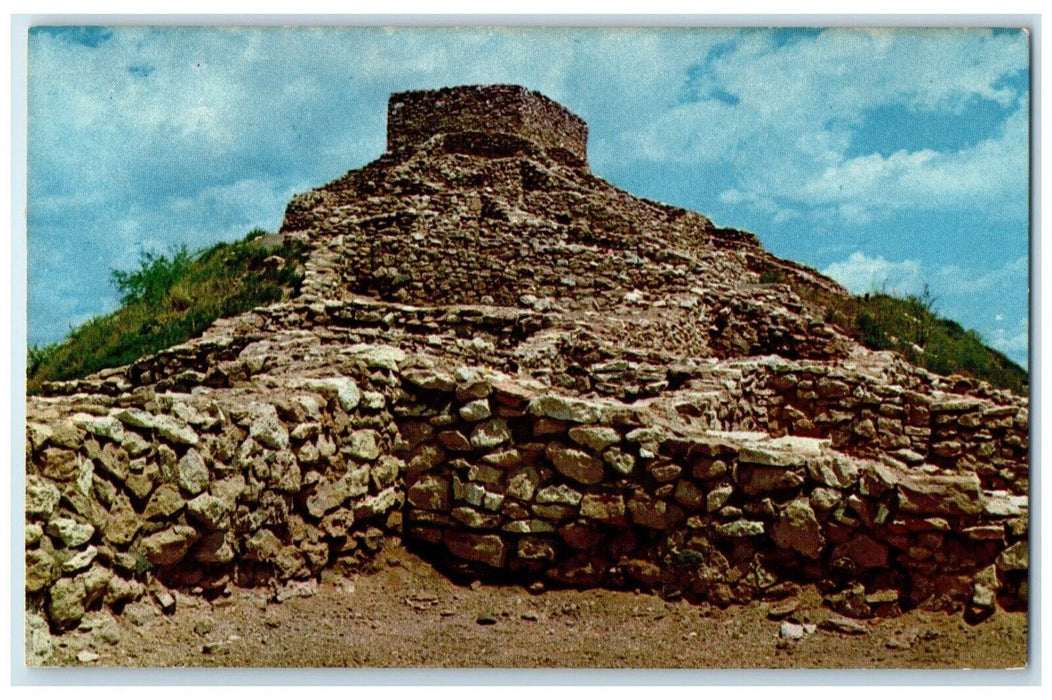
(414, 117)
(287, 476)
(589, 493)
(148, 490)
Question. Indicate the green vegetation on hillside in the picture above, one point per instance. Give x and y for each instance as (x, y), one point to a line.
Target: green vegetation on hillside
(169, 299)
(909, 326)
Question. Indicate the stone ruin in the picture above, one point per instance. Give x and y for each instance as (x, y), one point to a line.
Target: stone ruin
(528, 374)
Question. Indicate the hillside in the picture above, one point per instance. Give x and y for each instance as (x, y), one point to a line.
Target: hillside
(168, 300)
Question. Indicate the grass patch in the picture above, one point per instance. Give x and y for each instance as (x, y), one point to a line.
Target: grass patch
(167, 300)
(909, 326)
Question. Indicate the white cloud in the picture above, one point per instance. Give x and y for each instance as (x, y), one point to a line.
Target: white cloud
(1009, 277)
(1013, 341)
(861, 274)
(800, 103)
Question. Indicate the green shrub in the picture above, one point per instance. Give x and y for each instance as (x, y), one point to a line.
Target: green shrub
(771, 277)
(167, 300)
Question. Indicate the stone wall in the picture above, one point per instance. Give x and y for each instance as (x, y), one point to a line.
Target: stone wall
(591, 493)
(285, 477)
(414, 117)
(129, 496)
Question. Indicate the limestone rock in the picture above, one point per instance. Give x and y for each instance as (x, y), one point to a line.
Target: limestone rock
(597, 438)
(567, 409)
(430, 493)
(475, 411)
(490, 434)
(192, 472)
(210, 511)
(575, 464)
(168, 546)
(1015, 558)
(621, 462)
(605, 508)
(66, 602)
(344, 389)
(39, 644)
(40, 570)
(798, 528)
(42, 497)
(486, 549)
(165, 502)
(363, 445)
(268, 430)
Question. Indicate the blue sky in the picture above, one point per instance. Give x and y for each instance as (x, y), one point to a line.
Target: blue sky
(887, 159)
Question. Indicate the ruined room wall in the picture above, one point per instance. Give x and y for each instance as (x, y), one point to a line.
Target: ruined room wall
(414, 117)
(584, 493)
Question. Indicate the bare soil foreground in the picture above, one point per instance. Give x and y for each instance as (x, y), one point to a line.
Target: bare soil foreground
(405, 614)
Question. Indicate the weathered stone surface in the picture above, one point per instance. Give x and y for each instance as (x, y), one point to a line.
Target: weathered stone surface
(165, 502)
(741, 528)
(560, 494)
(430, 493)
(343, 389)
(192, 472)
(536, 548)
(761, 479)
(39, 644)
(567, 409)
(107, 427)
(486, 549)
(42, 497)
(59, 464)
(363, 445)
(1015, 558)
(789, 451)
(471, 518)
(474, 411)
(80, 560)
(575, 464)
(66, 602)
(798, 528)
(174, 431)
(40, 570)
(211, 511)
(523, 483)
(70, 532)
(430, 380)
(718, 497)
(689, 495)
(928, 494)
(123, 523)
(268, 430)
(378, 504)
(490, 434)
(605, 508)
(650, 512)
(862, 552)
(454, 441)
(597, 438)
(621, 462)
(214, 549)
(168, 546)
(835, 470)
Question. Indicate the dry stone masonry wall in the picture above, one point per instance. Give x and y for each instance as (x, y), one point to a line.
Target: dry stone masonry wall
(526, 374)
(414, 117)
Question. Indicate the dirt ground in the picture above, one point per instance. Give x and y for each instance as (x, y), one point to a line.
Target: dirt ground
(408, 615)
